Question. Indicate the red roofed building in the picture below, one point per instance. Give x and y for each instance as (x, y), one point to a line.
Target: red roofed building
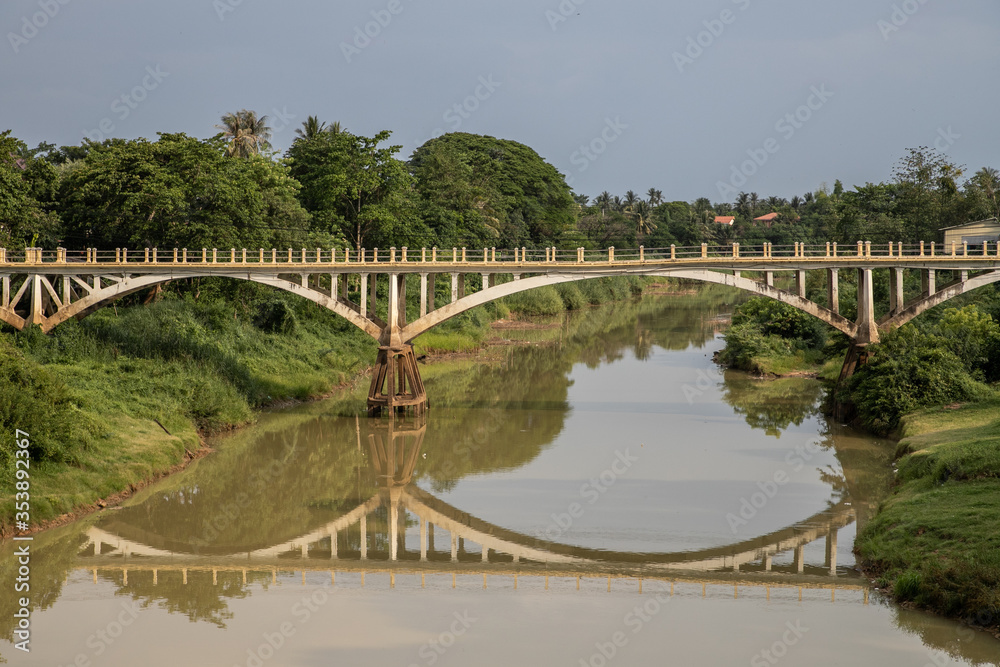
(725, 219)
(767, 219)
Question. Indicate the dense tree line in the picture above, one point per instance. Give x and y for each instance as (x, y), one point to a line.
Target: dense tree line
(333, 187)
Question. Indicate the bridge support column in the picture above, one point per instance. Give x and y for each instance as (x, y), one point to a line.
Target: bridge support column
(867, 328)
(800, 562)
(927, 283)
(833, 290)
(373, 288)
(454, 287)
(423, 294)
(767, 562)
(769, 278)
(831, 551)
(895, 291)
(423, 539)
(396, 383)
(363, 295)
(800, 283)
(454, 548)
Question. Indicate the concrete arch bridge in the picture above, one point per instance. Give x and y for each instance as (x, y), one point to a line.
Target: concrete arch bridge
(46, 288)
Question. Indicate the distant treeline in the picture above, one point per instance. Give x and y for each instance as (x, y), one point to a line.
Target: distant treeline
(333, 188)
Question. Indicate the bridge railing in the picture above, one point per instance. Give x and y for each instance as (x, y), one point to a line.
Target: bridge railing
(480, 256)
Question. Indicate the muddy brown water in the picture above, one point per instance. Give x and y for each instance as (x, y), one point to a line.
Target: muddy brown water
(594, 493)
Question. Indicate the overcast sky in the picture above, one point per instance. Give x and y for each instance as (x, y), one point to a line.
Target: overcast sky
(693, 98)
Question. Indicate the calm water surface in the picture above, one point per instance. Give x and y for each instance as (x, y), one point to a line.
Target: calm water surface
(595, 493)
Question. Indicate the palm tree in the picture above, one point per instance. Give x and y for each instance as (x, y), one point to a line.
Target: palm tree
(604, 201)
(335, 128)
(582, 200)
(310, 128)
(754, 201)
(796, 202)
(644, 223)
(630, 199)
(247, 134)
(743, 203)
(774, 203)
(617, 204)
(655, 197)
(808, 197)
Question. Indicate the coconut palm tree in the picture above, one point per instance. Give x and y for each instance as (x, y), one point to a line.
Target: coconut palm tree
(630, 199)
(743, 203)
(247, 134)
(604, 201)
(754, 202)
(617, 204)
(655, 196)
(310, 128)
(796, 202)
(644, 224)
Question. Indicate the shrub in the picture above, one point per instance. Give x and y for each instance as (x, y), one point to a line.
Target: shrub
(907, 371)
(746, 343)
(780, 319)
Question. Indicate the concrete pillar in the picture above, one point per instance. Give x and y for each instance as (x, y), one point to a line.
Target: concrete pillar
(895, 291)
(927, 282)
(373, 287)
(461, 285)
(767, 562)
(833, 290)
(867, 329)
(486, 554)
(431, 291)
(363, 295)
(454, 548)
(831, 551)
(486, 281)
(800, 283)
(800, 563)
(334, 279)
(454, 287)
(37, 314)
(769, 278)
(364, 537)
(423, 294)
(333, 544)
(392, 309)
(393, 531)
(423, 539)
(401, 300)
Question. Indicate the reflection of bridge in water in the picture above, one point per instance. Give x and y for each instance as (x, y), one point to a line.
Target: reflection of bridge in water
(382, 547)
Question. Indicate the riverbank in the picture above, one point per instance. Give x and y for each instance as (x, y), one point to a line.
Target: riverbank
(128, 395)
(935, 543)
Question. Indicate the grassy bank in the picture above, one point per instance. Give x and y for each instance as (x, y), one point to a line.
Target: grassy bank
(125, 395)
(935, 543)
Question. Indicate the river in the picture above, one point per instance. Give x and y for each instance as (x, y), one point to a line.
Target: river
(595, 491)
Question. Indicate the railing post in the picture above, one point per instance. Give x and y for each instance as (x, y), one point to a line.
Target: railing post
(261, 258)
(827, 248)
(175, 255)
(611, 254)
(493, 254)
(704, 250)
(673, 251)
(861, 249)
(404, 253)
(642, 253)
(486, 255)
(423, 254)
(524, 254)
(274, 255)
(146, 256)
(463, 254)
(215, 255)
(834, 248)
(921, 248)
(736, 250)
(347, 260)
(184, 255)
(244, 258)
(890, 248)
(579, 255)
(953, 248)
(392, 254)
(118, 255)
(868, 248)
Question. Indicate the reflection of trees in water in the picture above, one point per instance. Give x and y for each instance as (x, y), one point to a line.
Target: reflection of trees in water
(957, 641)
(772, 405)
(52, 556)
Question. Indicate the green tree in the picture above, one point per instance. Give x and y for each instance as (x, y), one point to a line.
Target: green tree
(353, 187)
(311, 126)
(179, 192)
(531, 200)
(246, 133)
(27, 187)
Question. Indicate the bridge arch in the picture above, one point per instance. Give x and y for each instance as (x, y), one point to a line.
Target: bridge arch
(127, 285)
(432, 319)
(946, 293)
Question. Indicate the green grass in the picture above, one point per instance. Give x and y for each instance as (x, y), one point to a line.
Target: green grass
(936, 541)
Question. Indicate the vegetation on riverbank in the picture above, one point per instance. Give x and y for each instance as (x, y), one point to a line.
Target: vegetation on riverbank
(935, 543)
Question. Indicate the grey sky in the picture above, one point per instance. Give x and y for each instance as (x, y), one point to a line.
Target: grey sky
(556, 85)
